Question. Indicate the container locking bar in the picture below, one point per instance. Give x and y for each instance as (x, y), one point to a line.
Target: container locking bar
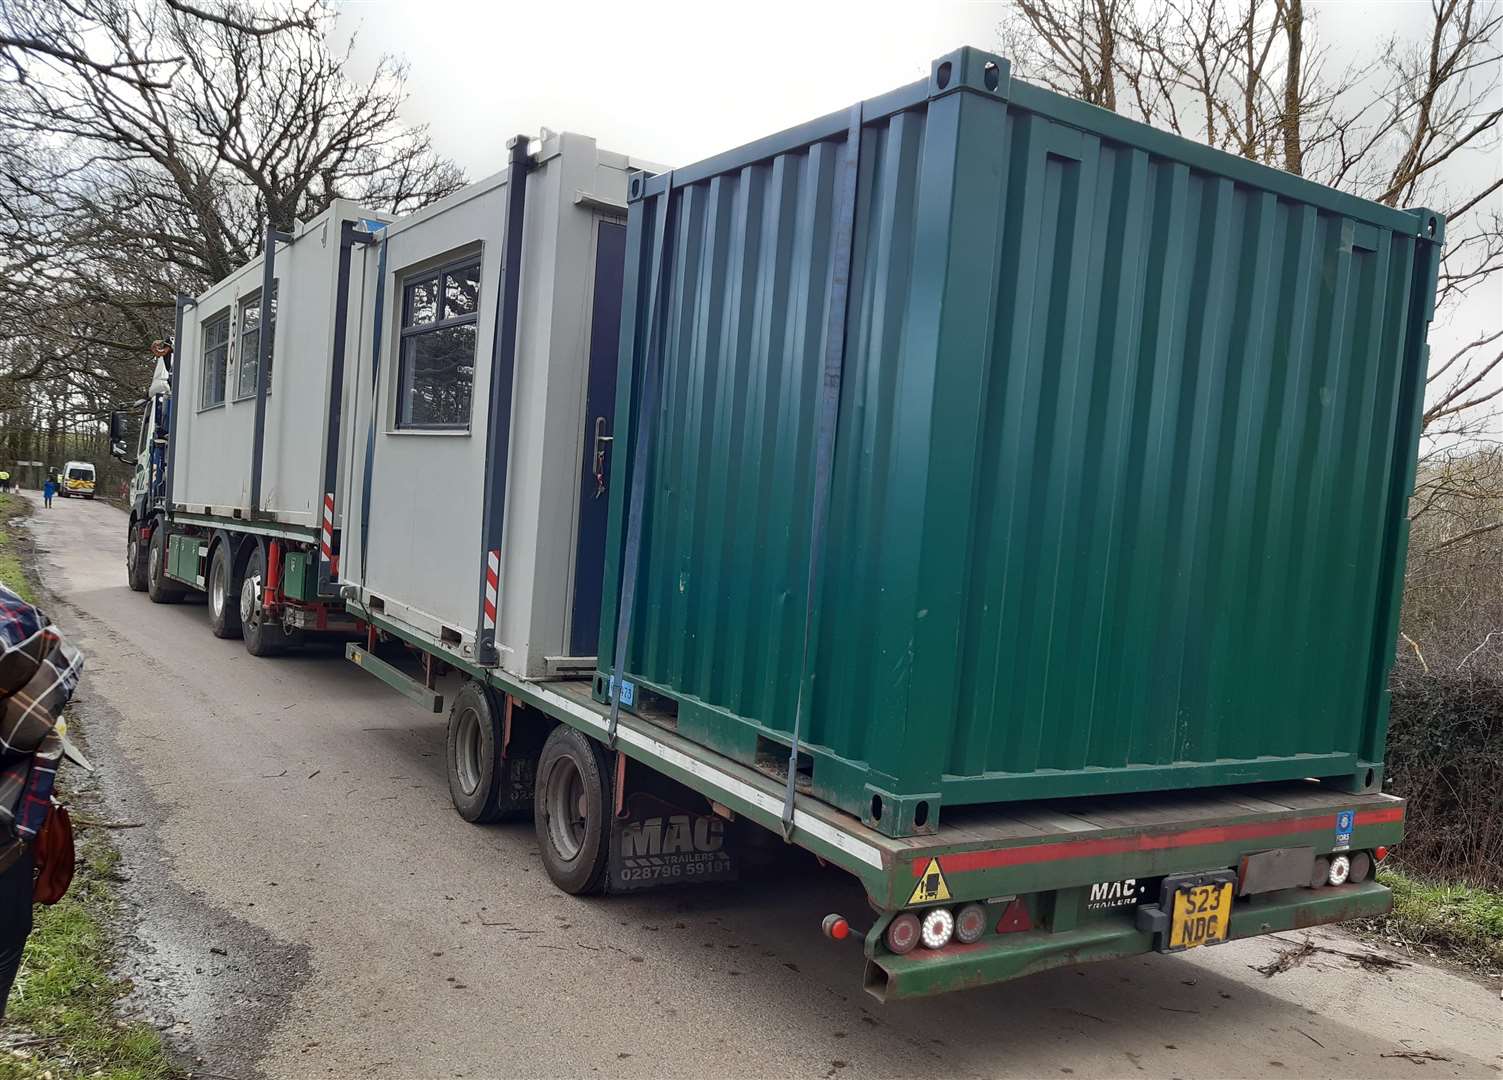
(498, 425)
(350, 234)
(183, 304)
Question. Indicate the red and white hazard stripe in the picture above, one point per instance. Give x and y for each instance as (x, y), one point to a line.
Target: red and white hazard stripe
(492, 586)
(326, 537)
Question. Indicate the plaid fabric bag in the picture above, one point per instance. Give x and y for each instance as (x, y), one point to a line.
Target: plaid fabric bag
(38, 674)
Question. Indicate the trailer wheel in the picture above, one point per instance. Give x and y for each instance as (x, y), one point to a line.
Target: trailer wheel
(135, 562)
(263, 636)
(224, 593)
(571, 811)
(159, 587)
(481, 788)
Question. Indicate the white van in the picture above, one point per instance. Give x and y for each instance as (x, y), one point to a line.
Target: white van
(78, 479)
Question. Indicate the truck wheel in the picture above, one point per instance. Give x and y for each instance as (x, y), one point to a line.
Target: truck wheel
(224, 593)
(480, 783)
(159, 587)
(263, 635)
(571, 811)
(135, 559)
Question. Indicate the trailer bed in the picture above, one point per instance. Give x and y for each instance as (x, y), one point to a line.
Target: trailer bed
(1038, 867)
(1007, 825)
(1062, 881)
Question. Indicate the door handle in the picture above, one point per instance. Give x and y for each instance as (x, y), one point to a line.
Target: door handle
(601, 445)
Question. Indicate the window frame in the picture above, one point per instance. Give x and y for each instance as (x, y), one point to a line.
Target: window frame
(250, 299)
(406, 279)
(223, 316)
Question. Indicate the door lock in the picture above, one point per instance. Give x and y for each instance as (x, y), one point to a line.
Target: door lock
(601, 441)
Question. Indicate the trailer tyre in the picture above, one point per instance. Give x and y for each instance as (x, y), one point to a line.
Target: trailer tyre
(572, 809)
(224, 593)
(480, 783)
(135, 559)
(159, 587)
(263, 634)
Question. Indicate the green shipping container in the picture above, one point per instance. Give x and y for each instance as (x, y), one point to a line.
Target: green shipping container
(1124, 436)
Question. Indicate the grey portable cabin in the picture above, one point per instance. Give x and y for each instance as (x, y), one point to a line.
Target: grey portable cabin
(483, 405)
(214, 385)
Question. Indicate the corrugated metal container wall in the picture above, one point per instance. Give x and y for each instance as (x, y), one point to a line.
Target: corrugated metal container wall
(1126, 427)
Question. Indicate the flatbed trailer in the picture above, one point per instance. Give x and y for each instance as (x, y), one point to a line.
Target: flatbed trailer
(1058, 882)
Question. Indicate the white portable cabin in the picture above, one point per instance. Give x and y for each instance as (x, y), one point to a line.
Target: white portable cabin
(475, 522)
(213, 467)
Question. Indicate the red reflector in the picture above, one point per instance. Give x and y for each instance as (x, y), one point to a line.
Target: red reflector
(1380, 854)
(903, 933)
(970, 924)
(1015, 919)
(836, 927)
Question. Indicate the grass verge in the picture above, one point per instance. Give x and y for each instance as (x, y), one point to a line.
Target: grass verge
(63, 1020)
(12, 572)
(1460, 922)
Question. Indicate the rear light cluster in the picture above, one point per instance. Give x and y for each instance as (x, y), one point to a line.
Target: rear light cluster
(936, 927)
(1352, 869)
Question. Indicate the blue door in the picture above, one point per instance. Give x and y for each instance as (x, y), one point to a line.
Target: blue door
(600, 412)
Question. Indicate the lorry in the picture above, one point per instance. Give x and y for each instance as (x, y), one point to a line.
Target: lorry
(77, 479)
(997, 498)
(238, 450)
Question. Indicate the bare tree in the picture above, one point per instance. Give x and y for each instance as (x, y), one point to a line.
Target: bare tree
(1071, 46)
(145, 144)
(1252, 78)
(55, 31)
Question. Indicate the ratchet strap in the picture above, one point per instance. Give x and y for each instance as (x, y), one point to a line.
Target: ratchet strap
(641, 451)
(826, 420)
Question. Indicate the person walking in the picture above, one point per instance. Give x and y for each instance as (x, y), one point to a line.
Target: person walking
(38, 674)
(49, 489)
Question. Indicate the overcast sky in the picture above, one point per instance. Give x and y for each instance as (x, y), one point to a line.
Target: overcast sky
(676, 82)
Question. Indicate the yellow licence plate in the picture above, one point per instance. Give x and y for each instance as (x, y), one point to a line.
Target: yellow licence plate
(1202, 915)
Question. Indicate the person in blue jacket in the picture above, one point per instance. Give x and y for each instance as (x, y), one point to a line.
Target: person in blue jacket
(49, 489)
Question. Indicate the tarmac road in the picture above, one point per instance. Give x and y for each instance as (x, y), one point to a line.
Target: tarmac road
(306, 903)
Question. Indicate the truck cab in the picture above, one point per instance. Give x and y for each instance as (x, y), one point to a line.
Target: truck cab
(147, 490)
(148, 478)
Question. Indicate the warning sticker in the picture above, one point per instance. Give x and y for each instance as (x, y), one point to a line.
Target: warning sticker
(931, 887)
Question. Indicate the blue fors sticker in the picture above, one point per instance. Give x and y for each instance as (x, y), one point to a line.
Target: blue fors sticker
(1344, 820)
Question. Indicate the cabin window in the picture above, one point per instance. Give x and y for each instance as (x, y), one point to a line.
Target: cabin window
(216, 357)
(250, 343)
(440, 310)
